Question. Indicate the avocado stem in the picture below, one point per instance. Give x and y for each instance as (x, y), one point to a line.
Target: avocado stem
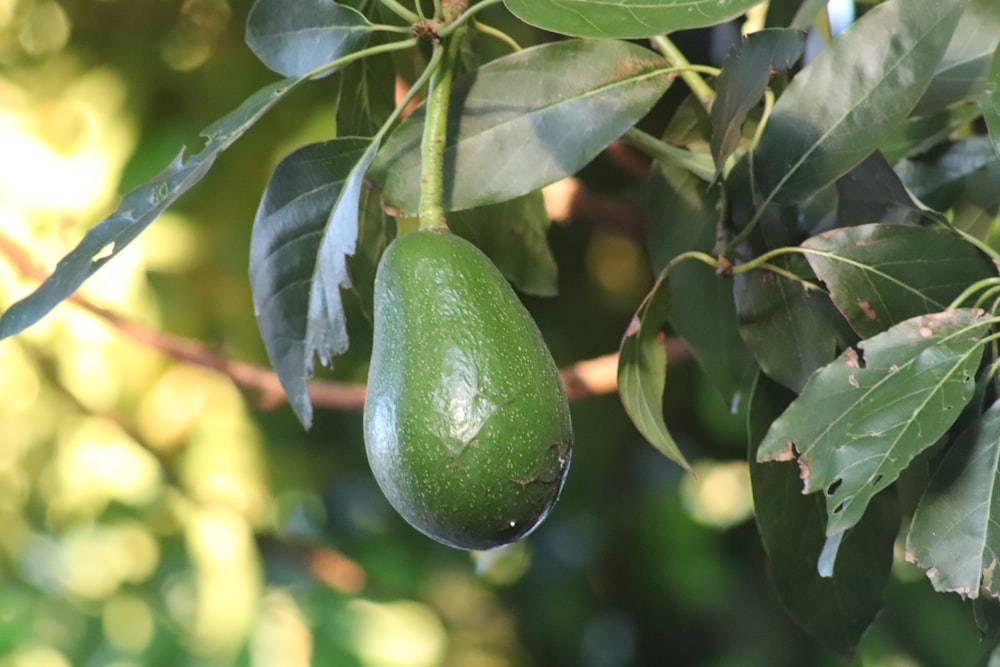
(431, 211)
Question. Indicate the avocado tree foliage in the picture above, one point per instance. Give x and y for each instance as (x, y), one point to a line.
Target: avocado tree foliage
(824, 230)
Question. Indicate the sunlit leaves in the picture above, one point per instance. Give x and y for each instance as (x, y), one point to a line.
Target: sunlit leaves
(820, 128)
(625, 18)
(880, 275)
(526, 120)
(642, 371)
(955, 533)
(294, 38)
(138, 209)
(864, 417)
(306, 225)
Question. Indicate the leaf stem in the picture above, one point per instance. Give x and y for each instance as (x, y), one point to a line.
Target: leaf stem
(497, 34)
(400, 11)
(702, 90)
(432, 145)
(357, 55)
(465, 17)
(432, 66)
(981, 245)
(984, 284)
(664, 152)
(385, 27)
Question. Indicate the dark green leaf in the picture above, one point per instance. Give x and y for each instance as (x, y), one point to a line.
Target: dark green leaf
(821, 127)
(305, 227)
(927, 175)
(526, 120)
(919, 135)
(375, 231)
(991, 101)
(294, 38)
(642, 372)
(513, 235)
(873, 192)
(962, 72)
(879, 275)
(861, 419)
(978, 202)
(836, 610)
(682, 217)
(955, 533)
(138, 209)
(626, 19)
(745, 74)
(366, 97)
(795, 14)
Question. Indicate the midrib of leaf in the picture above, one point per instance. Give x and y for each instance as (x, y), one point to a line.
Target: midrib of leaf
(868, 268)
(823, 137)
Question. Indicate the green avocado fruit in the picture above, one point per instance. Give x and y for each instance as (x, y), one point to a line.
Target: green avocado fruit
(467, 426)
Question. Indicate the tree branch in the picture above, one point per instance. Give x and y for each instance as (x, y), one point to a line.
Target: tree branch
(590, 377)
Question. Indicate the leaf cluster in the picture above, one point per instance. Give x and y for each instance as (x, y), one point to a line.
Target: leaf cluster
(822, 226)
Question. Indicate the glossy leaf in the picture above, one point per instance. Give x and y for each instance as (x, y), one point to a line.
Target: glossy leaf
(879, 275)
(702, 311)
(873, 192)
(745, 74)
(642, 372)
(526, 120)
(921, 134)
(863, 418)
(376, 230)
(138, 209)
(962, 72)
(306, 225)
(625, 19)
(835, 609)
(513, 235)
(955, 532)
(991, 102)
(820, 127)
(294, 38)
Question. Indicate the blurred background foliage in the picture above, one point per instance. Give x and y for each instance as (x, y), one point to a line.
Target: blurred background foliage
(152, 513)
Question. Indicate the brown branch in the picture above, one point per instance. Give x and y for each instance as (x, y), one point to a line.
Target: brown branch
(590, 377)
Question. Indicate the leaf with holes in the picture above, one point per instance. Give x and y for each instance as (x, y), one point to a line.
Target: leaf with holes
(625, 19)
(880, 275)
(306, 226)
(642, 372)
(526, 120)
(836, 609)
(862, 418)
(138, 209)
(820, 128)
(955, 532)
(294, 38)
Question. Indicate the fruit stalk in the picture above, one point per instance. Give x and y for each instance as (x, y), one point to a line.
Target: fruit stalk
(431, 211)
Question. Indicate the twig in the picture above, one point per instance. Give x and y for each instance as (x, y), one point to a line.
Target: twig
(590, 377)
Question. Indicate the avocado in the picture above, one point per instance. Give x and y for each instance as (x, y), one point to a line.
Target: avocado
(467, 427)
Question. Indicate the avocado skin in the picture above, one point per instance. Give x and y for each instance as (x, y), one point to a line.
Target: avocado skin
(466, 422)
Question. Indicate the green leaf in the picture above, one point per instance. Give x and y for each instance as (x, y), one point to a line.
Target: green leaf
(863, 418)
(795, 14)
(955, 532)
(138, 209)
(376, 230)
(625, 19)
(745, 74)
(526, 120)
(294, 38)
(306, 225)
(990, 102)
(366, 96)
(962, 72)
(702, 311)
(921, 134)
(836, 610)
(873, 192)
(821, 127)
(513, 235)
(642, 372)
(926, 176)
(879, 275)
